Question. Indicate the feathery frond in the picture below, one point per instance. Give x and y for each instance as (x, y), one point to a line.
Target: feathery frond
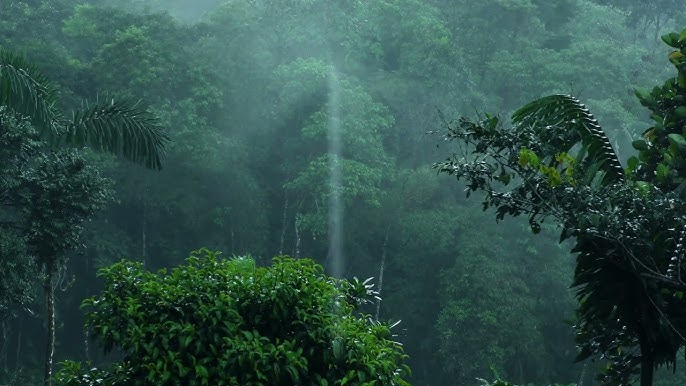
(24, 89)
(120, 127)
(567, 122)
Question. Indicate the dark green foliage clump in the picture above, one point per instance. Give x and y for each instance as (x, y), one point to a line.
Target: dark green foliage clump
(17, 145)
(627, 225)
(228, 322)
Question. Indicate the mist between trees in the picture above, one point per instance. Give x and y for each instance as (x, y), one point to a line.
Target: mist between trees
(145, 130)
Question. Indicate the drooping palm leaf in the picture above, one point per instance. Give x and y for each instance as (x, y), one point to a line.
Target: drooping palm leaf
(24, 89)
(565, 120)
(120, 127)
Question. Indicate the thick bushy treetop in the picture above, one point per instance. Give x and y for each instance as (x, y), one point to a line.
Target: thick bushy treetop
(228, 322)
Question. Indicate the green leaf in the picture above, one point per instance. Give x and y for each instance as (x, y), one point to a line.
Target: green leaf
(640, 145)
(672, 39)
(201, 371)
(643, 96)
(632, 163)
(681, 81)
(681, 110)
(571, 124)
(120, 127)
(186, 341)
(662, 172)
(337, 349)
(504, 177)
(677, 140)
(24, 89)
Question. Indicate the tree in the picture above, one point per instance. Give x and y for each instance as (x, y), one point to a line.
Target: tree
(60, 192)
(514, 327)
(17, 148)
(228, 322)
(56, 198)
(627, 225)
(116, 126)
(343, 135)
(47, 197)
(159, 215)
(647, 14)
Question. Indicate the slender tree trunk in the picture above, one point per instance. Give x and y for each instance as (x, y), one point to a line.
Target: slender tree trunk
(144, 226)
(382, 268)
(297, 238)
(49, 289)
(17, 361)
(283, 222)
(5, 344)
(86, 344)
(233, 238)
(144, 238)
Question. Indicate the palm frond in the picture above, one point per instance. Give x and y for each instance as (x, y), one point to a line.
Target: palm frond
(24, 89)
(120, 127)
(564, 120)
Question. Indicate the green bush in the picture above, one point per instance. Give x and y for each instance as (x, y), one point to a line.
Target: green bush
(228, 322)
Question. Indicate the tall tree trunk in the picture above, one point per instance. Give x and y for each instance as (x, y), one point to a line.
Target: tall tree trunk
(283, 222)
(144, 237)
(297, 238)
(17, 361)
(382, 268)
(49, 289)
(5, 346)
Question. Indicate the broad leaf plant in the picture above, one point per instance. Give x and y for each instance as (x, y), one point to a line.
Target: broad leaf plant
(627, 223)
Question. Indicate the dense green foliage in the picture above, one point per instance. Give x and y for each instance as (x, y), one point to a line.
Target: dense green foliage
(49, 203)
(228, 322)
(48, 196)
(251, 92)
(628, 230)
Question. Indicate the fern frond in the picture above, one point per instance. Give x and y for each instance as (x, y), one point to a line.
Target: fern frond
(120, 127)
(24, 89)
(565, 122)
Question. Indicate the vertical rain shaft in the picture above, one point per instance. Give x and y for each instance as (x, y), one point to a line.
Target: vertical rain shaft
(335, 258)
